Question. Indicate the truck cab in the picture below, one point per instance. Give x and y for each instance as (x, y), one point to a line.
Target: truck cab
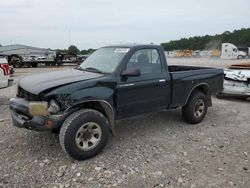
(230, 51)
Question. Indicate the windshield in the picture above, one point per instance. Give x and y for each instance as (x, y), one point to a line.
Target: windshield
(104, 59)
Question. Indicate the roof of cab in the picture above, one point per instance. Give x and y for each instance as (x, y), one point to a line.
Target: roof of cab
(132, 46)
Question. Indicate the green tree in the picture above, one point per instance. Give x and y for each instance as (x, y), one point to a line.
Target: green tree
(73, 50)
(62, 51)
(240, 38)
(87, 52)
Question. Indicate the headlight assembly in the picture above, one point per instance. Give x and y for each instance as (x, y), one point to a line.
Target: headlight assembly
(54, 107)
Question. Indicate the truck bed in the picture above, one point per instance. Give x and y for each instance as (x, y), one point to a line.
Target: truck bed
(184, 78)
(177, 68)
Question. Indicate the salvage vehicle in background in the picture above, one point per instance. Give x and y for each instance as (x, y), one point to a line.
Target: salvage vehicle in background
(115, 82)
(230, 51)
(236, 81)
(26, 56)
(5, 80)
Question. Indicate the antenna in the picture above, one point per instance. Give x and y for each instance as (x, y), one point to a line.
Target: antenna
(69, 38)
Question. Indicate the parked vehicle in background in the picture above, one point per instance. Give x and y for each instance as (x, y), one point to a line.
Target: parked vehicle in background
(81, 58)
(5, 80)
(230, 51)
(237, 81)
(196, 53)
(114, 82)
(27, 56)
(171, 53)
(216, 53)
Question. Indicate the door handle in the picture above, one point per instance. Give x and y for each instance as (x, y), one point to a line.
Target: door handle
(162, 80)
(127, 85)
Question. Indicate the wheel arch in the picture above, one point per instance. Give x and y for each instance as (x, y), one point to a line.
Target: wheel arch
(102, 106)
(204, 88)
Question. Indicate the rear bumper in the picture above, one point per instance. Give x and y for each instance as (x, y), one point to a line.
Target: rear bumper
(22, 118)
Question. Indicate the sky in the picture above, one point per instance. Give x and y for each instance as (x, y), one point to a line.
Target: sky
(95, 23)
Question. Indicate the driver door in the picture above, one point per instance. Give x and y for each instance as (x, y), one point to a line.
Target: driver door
(144, 93)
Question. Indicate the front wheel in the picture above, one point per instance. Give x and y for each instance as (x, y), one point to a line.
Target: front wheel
(240, 57)
(196, 108)
(84, 134)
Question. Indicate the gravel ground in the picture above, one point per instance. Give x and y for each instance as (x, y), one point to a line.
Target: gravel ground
(152, 150)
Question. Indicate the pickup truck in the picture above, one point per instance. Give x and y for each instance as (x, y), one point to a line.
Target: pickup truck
(115, 82)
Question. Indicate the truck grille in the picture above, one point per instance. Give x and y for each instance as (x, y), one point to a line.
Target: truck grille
(28, 96)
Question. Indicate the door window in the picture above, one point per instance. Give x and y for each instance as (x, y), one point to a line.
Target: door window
(147, 60)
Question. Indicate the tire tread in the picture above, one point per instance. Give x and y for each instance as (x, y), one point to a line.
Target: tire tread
(67, 123)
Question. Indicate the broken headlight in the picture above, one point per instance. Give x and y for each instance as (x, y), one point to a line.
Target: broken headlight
(54, 107)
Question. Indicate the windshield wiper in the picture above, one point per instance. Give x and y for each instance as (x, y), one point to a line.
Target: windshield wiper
(79, 68)
(93, 69)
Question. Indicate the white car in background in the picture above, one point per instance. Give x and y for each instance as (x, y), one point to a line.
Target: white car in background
(5, 80)
(236, 81)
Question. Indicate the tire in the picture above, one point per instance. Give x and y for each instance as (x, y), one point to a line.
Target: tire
(18, 65)
(196, 108)
(240, 57)
(84, 134)
(26, 65)
(34, 64)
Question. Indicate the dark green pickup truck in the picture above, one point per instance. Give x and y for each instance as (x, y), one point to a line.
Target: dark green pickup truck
(115, 82)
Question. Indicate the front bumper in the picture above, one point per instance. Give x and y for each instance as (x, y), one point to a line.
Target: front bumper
(22, 118)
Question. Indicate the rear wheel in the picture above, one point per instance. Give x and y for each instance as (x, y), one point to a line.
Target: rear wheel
(196, 108)
(84, 134)
(18, 65)
(34, 64)
(27, 65)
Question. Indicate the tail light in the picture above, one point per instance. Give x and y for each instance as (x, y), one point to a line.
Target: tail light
(6, 69)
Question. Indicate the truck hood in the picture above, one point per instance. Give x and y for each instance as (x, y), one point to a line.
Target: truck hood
(41, 82)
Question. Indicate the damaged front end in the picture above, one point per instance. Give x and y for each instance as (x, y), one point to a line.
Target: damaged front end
(34, 116)
(30, 112)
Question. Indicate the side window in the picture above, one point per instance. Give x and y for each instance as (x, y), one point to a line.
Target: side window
(147, 60)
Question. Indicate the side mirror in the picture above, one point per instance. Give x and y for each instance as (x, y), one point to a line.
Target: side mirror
(131, 72)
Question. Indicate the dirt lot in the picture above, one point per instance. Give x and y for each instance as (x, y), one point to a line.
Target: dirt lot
(153, 150)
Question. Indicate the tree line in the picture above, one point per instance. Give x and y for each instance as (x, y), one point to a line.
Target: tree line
(240, 38)
(72, 49)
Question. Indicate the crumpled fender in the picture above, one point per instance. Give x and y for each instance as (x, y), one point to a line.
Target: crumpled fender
(72, 99)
